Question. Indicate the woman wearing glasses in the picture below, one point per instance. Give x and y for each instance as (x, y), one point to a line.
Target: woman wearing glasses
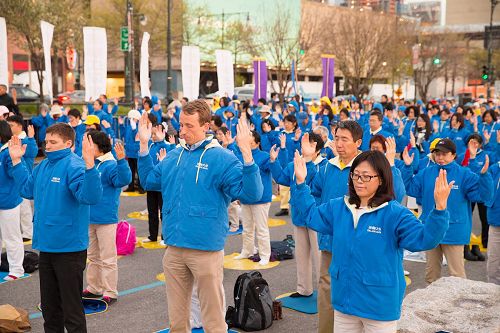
(370, 230)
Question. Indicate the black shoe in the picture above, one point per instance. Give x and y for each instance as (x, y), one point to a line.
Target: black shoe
(130, 189)
(88, 294)
(282, 212)
(297, 295)
(141, 190)
(26, 239)
(477, 252)
(468, 255)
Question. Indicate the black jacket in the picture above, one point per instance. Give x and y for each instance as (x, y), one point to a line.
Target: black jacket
(9, 103)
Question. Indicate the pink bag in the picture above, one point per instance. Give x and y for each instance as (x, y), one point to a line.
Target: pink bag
(125, 238)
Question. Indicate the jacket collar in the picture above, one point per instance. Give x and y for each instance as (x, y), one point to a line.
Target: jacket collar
(352, 207)
(336, 161)
(5, 146)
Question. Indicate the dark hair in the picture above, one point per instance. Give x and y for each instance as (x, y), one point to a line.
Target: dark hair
(63, 130)
(269, 122)
(435, 107)
(469, 110)
(377, 114)
(101, 140)
(200, 107)
(385, 191)
(313, 137)
(428, 130)
(292, 119)
(75, 113)
(416, 112)
(148, 101)
(224, 101)
(16, 119)
(444, 111)
(5, 132)
(256, 137)
(353, 127)
(476, 137)
(224, 130)
(185, 99)
(491, 113)
(262, 100)
(380, 139)
(99, 102)
(217, 120)
(153, 119)
(344, 111)
(104, 95)
(460, 119)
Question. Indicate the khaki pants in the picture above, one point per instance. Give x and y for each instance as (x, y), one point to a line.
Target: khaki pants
(493, 263)
(284, 197)
(26, 219)
(352, 324)
(325, 310)
(102, 270)
(254, 218)
(182, 266)
(454, 256)
(233, 212)
(306, 254)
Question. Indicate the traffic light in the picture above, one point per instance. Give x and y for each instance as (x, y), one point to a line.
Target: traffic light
(486, 74)
(302, 52)
(436, 61)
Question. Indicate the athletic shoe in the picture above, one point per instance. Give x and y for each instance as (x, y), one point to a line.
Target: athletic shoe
(10, 277)
(88, 294)
(109, 300)
(162, 243)
(241, 256)
(407, 273)
(26, 239)
(297, 295)
(282, 212)
(263, 262)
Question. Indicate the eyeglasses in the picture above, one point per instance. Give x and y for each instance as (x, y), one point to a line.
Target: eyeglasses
(364, 178)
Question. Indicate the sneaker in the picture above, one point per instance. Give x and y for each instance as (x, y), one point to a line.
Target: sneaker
(241, 256)
(264, 262)
(282, 212)
(88, 294)
(407, 273)
(10, 277)
(162, 243)
(109, 300)
(26, 239)
(141, 190)
(297, 295)
(234, 228)
(146, 240)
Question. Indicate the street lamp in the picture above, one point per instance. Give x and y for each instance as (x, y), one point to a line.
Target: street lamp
(490, 49)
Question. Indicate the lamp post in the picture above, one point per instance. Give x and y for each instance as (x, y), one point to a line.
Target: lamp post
(169, 51)
(129, 55)
(490, 49)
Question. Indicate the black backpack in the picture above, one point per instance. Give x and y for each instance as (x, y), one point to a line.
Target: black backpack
(281, 250)
(30, 262)
(253, 303)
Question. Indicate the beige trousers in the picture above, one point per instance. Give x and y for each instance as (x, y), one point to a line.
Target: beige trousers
(254, 218)
(102, 270)
(454, 256)
(493, 263)
(233, 212)
(284, 196)
(352, 324)
(26, 219)
(325, 310)
(306, 254)
(182, 266)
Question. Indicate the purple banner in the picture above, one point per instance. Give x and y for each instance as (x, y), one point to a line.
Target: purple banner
(260, 80)
(328, 75)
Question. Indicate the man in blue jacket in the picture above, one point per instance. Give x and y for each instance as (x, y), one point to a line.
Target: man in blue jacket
(205, 178)
(375, 127)
(60, 231)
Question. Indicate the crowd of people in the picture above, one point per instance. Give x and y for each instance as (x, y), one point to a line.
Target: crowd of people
(361, 180)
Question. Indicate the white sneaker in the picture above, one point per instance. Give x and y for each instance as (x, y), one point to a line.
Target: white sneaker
(144, 212)
(234, 228)
(264, 262)
(407, 273)
(146, 240)
(162, 243)
(10, 277)
(241, 256)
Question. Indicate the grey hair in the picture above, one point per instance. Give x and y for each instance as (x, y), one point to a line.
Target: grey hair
(44, 106)
(323, 130)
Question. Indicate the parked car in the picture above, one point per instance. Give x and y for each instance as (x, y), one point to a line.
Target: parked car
(72, 97)
(26, 95)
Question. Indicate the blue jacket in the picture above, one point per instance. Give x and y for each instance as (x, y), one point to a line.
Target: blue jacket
(230, 124)
(114, 175)
(365, 144)
(41, 123)
(257, 121)
(367, 276)
(291, 145)
(458, 137)
(31, 150)
(9, 190)
(269, 139)
(62, 190)
(131, 144)
(493, 211)
(204, 180)
(261, 158)
(79, 131)
(468, 187)
(155, 147)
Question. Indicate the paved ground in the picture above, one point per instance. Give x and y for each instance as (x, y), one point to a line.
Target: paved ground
(143, 307)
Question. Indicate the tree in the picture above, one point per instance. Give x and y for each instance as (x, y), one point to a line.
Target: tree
(23, 18)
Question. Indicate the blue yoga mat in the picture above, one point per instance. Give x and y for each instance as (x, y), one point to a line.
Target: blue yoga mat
(237, 232)
(4, 274)
(90, 306)
(194, 330)
(307, 305)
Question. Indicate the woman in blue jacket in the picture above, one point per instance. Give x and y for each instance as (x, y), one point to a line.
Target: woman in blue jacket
(102, 270)
(457, 132)
(10, 203)
(370, 230)
(493, 213)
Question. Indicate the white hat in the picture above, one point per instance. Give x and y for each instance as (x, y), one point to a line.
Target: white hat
(3, 110)
(134, 114)
(265, 108)
(55, 109)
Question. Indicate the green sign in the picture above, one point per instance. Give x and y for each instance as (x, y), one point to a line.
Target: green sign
(124, 46)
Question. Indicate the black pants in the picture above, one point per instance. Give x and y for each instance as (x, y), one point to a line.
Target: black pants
(132, 163)
(155, 203)
(61, 285)
(484, 223)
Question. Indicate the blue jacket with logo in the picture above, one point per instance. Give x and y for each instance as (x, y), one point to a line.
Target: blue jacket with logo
(205, 180)
(128, 136)
(79, 132)
(9, 191)
(155, 147)
(269, 139)
(493, 211)
(469, 187)
(114, 175)
(458, 137)
(62, 190)
(367, 276)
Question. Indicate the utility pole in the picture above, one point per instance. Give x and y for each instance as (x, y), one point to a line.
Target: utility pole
(490, 50)
(129, 55)
(169, 51)
(223, 21)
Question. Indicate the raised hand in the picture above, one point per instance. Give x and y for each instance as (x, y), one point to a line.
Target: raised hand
(244, 140)
(282, 140)
(472, 149)
(486, 165)
(156, 107)
(498, 136)
(487, 137)
(273, 153)
(31, 131)
(406, 157)
(121, 121)
(390, 153)
(161, 154)
(298, 133)
(401, 129)
(435, 126)
(331, 145)
(160, 133)
(412, 140)
(105, 124)
(442, 190)
(145, 129)
(300, 169)
(116, 100)
(120, 151)
(16, 149)
(171, 139)
(229, 139)
(308, 148)
(88, 151)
